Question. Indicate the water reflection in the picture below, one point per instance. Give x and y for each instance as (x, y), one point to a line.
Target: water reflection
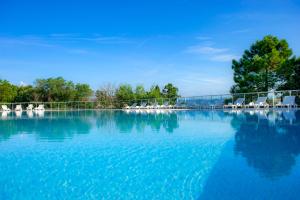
(4, 114)
(49, 125)
(126, 122)
(269, 141)
(61, 125)
(29, 113)
(18, 114)
(39, 113)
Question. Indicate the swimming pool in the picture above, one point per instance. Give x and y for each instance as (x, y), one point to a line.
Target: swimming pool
(140, 155)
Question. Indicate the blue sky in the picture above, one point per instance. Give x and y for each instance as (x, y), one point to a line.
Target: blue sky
(187, 42)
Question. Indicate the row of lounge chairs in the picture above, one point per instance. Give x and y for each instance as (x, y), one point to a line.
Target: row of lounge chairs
(30, 107)
(261, 102)
(155, 105)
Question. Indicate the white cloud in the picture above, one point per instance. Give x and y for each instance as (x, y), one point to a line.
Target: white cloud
(202, 84)
(24, 41)
(223, 57)
(72, 37)
(199, 49)
(211, 53)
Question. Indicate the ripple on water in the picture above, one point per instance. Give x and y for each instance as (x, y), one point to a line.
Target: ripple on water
(175, 170)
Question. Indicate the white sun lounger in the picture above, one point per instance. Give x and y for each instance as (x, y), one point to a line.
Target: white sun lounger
(143, 105)
(29, 107)
(288, 101)
(5, 108)
(40, 108)
(18, 108)
(238, 103)
(166, 105)
(153, 106)
(130, 107)
(261, 102)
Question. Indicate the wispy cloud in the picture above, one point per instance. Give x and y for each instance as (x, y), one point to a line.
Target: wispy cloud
(25, 41)
(198, 49)
(97, 38)
(54, 40)
(224, 57)
(211, 53)
(68, 43)
(202, 83)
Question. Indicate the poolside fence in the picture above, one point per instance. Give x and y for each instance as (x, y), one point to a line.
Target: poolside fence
(194, 102)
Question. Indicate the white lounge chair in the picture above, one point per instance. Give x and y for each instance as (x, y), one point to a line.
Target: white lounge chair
(40, 108)
(5, 108)
(29, 107)
(18, 108)
(133, 106)
(126, 107)
(288, 101)
(250, 105)
(150, 106)
(261, 102)
(142, 106)
(238, 103)
(153, 106)
(165, 105)
(156, 106)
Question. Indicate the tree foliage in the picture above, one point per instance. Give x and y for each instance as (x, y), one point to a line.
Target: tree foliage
(8, 92)
(289, 75)
(58, 89)
(82, 92)
(25, 94)
(140, 92)
(261, 66)
(46, 90)
(125, 94)
(155, 92)
(170, 91)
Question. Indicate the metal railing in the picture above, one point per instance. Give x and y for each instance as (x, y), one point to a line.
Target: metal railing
(194, 102)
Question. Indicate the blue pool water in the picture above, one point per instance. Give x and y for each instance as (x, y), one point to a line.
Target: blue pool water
(165, 155)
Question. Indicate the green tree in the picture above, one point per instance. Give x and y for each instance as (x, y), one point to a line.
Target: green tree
(155, 92)
(124, 94)
(140, 92)
(55, 89)
(257, 69)
(170, 91)
(82, 92)
(8, 91)
(25, 94)
(290, 75)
